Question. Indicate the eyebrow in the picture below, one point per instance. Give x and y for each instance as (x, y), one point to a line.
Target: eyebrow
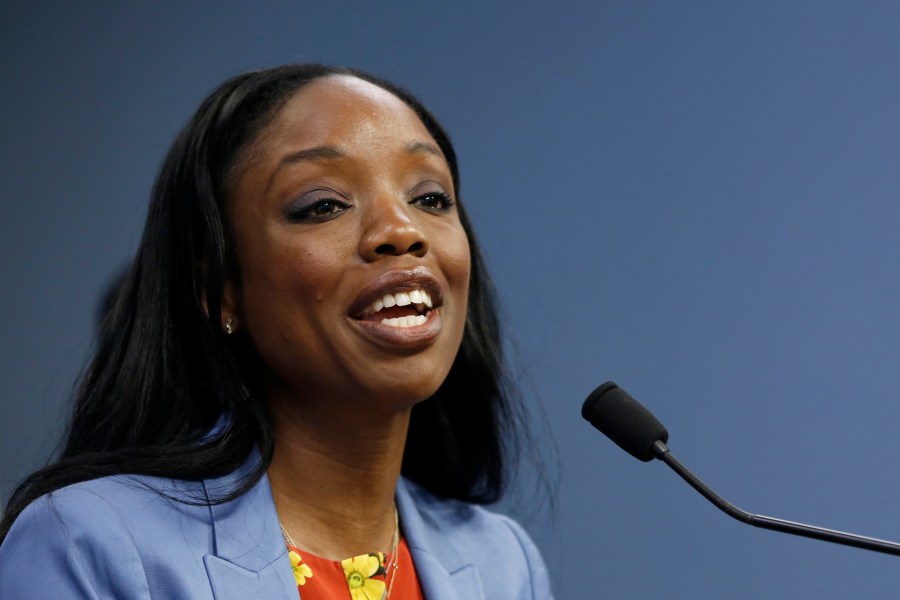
(424, 148)
(318, 152)
(311, 154)
(330, 152)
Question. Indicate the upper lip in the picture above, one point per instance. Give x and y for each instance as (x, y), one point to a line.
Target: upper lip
(393, 282)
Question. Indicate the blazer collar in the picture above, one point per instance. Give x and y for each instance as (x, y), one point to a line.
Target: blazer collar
(246, 530)
(249, 556)
(443, 571)
(248, 547)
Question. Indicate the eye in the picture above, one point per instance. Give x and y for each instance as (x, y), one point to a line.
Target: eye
(433, 201)
(311, 210)
(324, 207)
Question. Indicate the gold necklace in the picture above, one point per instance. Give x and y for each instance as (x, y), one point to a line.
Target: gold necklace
(392, 567)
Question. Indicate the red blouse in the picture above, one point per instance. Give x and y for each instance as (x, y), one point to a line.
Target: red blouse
(358, 578)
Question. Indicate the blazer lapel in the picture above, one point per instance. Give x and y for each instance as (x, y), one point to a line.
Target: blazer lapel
(249, 558)
(443, 572)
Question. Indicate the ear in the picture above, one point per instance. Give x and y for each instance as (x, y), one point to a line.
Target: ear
(230, 307)
(229, 313)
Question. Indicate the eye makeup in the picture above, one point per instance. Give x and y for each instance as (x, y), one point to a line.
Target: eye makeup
(316, 206)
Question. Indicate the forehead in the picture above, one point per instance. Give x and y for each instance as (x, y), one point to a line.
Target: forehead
(345, 111)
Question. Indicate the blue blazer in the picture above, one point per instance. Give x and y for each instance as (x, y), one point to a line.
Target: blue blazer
(117, 538)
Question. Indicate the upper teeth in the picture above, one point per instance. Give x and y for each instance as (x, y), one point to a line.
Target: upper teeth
(419, 297)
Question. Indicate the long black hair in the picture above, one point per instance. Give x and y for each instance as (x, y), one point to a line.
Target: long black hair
(167, 394)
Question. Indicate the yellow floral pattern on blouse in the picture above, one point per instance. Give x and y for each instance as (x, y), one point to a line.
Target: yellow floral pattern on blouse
(360, 571)
(301, 571)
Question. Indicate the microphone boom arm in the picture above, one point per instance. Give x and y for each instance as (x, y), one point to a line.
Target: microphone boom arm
(661, 452)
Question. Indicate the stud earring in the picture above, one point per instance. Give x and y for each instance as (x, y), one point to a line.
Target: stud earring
(229, 326)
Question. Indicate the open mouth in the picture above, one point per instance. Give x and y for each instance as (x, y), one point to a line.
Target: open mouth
(401, 309)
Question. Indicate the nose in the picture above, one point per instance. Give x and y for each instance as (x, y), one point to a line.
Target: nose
(391, 229)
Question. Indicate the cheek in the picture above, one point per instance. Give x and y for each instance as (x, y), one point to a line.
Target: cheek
(456, 266)
(311, 272)
(300, 272)
(458, 260)
(320, 264)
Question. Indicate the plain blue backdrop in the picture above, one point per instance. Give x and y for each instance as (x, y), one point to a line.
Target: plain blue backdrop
(698, 200)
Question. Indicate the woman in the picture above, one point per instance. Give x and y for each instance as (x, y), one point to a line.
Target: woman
(307, 318)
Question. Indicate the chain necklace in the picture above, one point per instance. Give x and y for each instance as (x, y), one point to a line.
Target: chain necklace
(390, 571)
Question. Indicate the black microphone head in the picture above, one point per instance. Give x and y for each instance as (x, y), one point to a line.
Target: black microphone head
(624, 420)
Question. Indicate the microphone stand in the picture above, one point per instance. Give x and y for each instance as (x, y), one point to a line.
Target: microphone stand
(661, 452)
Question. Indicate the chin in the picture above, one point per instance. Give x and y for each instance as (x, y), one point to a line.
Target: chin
(404, 394)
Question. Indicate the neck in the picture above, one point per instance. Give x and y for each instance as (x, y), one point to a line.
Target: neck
(333, 477)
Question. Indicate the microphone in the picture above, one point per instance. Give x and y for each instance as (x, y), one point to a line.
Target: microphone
(633, 428)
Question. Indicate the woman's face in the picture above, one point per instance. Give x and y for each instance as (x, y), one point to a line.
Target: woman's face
(354, 266)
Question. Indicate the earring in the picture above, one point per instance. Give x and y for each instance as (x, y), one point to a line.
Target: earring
(229, 326)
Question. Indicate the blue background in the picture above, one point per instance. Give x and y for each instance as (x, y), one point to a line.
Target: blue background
(698, 200)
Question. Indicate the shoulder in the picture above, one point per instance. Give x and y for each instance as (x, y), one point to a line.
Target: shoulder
(94, 539)
(106, 506)
(496, 545)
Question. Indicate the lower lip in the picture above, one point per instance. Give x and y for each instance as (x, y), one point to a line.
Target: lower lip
(402, 337)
